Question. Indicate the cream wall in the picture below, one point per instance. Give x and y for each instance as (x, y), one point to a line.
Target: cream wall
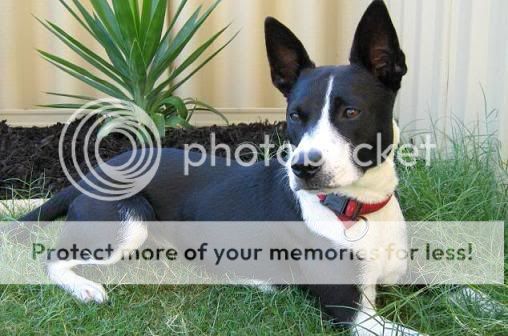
(24, 76)
(240, 77)
(455, 48)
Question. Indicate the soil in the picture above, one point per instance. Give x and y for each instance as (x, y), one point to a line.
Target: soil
(29, 156)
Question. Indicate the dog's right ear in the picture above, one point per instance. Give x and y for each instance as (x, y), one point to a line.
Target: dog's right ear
(286, 54)
(376, 46)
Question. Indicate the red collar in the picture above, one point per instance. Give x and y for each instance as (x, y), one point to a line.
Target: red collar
(349, 210)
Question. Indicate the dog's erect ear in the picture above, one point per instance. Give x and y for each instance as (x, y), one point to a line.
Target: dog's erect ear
(376, 46)
(286, 55)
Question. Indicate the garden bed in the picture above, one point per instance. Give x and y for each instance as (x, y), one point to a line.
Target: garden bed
(31, 154)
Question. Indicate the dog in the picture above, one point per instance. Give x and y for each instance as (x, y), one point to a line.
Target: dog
(331, 111)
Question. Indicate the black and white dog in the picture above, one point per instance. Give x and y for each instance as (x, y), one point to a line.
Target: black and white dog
(332, 112)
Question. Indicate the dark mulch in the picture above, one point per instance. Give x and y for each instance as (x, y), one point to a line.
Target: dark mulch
(31, 154)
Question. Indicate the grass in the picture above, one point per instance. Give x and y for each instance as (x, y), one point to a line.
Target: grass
(194, 310)
(467, 183)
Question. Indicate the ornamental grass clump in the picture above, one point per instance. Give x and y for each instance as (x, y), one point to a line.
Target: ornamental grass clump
(141, 56)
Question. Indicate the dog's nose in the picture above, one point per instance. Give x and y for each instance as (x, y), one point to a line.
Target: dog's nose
(306, 165)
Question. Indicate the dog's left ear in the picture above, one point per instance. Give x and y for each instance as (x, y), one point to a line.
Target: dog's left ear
(286, 54)
(376, 46)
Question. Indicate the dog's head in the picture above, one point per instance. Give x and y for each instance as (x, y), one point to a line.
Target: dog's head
(339, 117)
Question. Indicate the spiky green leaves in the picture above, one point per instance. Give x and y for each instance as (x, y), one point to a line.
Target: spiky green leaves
(140, 54)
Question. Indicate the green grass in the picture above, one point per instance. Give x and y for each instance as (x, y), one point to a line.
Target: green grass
(467, 184)
(193, 310)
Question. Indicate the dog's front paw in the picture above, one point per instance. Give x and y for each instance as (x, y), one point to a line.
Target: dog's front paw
(87, 291)
(374, 325)
(389, 329)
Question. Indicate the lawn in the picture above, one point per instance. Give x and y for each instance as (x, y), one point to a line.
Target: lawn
(467, 185)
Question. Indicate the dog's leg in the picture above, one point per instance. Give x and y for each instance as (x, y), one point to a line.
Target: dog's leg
(128, 233)
(61, 273)
(337, 301)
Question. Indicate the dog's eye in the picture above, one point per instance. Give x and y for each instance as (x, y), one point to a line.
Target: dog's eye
(295, 116)
(351, 113)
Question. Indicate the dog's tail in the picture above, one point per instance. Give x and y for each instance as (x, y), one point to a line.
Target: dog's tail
(53, 209)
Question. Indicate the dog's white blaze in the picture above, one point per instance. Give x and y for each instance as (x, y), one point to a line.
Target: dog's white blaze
(325, 112)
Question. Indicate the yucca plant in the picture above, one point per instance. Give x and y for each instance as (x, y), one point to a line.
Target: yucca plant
(141, 55)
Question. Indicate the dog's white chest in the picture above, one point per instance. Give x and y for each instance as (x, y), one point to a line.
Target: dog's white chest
(319, 218)
(384, 232)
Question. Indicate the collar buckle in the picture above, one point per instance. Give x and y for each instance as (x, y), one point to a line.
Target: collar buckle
(336, 203)
(350, 210)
